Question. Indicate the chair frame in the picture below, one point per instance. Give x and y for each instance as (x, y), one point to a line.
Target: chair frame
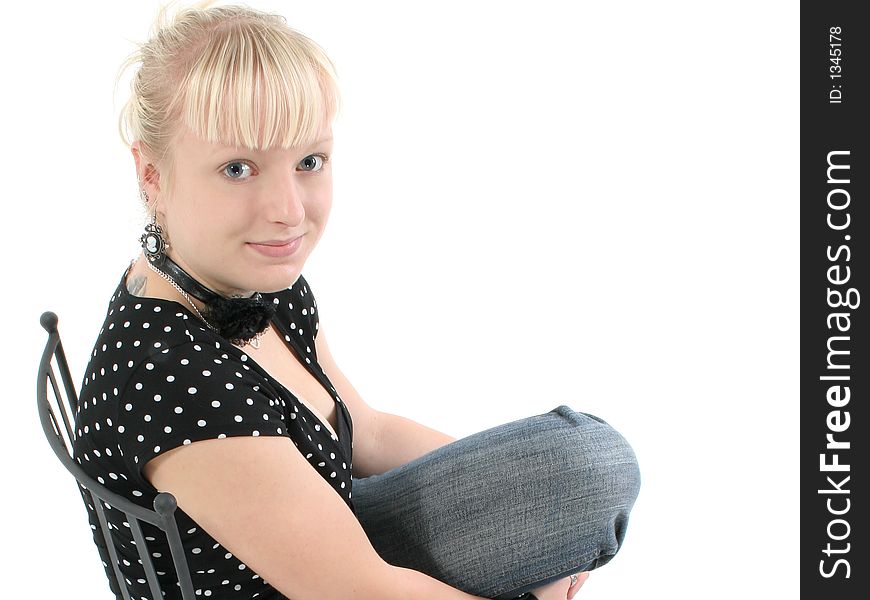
(163, 515)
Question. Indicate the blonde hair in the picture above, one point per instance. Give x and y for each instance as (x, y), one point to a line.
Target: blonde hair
(232, 75)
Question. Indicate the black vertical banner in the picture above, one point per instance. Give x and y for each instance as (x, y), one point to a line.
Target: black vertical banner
(834, 370)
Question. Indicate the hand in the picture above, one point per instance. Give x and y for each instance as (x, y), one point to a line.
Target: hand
(561, 589)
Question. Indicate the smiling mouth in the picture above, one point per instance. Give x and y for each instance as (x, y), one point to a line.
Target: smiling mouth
(277, 248)
(276, 242)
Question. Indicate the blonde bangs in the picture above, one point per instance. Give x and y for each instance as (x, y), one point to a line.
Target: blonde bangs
(254, 88)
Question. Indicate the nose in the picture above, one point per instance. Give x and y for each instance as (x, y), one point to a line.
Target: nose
(283, 202)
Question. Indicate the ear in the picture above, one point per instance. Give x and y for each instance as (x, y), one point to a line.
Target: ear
(146, 171)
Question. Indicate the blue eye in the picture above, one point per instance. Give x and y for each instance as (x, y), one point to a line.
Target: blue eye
(309, 161)
(237, 170)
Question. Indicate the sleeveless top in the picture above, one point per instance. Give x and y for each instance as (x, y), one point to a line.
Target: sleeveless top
(159, 379)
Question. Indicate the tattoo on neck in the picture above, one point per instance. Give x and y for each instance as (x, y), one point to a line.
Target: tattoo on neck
(136, 285)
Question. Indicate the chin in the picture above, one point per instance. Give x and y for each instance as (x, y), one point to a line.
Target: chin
(278, 278)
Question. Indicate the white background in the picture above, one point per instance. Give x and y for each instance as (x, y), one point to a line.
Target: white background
(582, 203)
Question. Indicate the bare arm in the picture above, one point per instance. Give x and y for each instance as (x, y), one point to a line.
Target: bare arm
(401, 440)
(381, 440)
(266, 504)
(419, 585)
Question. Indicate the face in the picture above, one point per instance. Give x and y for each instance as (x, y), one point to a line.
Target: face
(232, 212)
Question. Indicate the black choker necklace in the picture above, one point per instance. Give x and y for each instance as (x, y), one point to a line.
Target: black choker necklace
(237, 319)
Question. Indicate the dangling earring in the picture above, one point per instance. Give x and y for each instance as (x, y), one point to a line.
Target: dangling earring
(152, 240)
(153, 243)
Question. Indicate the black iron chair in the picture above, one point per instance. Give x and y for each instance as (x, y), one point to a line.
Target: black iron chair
(95, 495)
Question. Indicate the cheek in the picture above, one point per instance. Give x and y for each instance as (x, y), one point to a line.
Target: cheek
(220, 214)
(318, 210)
(209, 225)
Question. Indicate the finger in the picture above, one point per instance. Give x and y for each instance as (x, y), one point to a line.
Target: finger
(581, 579)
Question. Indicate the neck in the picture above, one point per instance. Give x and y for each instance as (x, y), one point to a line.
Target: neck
(204, 292)
(239, 320)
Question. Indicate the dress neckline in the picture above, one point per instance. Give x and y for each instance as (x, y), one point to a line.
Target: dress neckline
(342, 429)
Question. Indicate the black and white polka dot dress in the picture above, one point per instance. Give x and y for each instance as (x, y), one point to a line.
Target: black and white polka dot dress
(158, 379)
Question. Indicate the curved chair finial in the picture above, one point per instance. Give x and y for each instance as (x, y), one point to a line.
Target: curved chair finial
(48, 320)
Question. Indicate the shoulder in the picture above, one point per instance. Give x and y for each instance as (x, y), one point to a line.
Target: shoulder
(156, 349)
(135, 329)
(195, 391)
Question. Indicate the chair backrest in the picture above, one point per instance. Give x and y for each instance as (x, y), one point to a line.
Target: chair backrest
(58, 420)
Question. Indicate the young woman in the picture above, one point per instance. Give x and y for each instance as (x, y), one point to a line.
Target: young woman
(212, 377)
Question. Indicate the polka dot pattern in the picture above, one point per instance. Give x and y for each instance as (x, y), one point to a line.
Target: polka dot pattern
(157, 380)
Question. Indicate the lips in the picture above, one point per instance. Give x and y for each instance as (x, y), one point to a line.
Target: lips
(277, 248)
(277, 242)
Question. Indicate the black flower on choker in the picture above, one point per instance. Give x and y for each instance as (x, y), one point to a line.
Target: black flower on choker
(237, 319)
